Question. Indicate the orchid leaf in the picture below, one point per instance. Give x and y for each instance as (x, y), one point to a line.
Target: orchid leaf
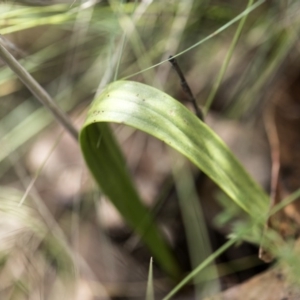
(156, 113)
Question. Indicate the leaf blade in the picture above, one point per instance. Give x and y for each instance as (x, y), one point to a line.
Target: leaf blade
(106, 163)
(158, 114)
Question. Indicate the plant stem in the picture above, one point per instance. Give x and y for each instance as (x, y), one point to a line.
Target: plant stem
(202, 266)
(37, 90)
(186, 88)
(226, 62)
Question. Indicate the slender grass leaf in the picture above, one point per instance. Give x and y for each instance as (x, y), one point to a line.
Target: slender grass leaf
(150, 289)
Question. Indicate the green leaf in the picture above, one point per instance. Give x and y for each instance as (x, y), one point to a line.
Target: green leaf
(150, 288)
(158, 114)
(106, 163)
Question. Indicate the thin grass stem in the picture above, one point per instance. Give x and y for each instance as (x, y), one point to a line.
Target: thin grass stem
(288, 200)
(37, 90)
(186, 88)
(203, 265)
(226, 62)
(221, 29)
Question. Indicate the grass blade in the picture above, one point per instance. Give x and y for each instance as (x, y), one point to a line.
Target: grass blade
(150, 290)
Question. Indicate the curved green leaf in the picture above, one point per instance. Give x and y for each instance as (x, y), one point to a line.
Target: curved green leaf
(106, 163)
(158, 114)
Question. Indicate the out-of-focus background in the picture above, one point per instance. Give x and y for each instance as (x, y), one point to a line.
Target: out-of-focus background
(60, 237)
